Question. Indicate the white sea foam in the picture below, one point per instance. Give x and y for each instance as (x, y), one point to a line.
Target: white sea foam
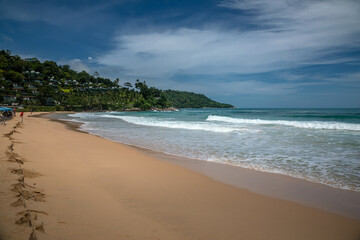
(298, 124)
(155, 122)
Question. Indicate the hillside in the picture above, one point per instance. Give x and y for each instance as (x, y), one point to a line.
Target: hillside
(46, 86)
(181, 99)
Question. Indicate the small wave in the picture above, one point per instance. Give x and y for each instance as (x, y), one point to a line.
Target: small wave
(298, 124)
(154, 122)
(82, 115)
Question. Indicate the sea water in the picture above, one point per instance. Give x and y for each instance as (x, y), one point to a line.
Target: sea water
(319, 145)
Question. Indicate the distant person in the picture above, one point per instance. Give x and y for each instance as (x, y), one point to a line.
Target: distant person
(14, 112)
(22, 116)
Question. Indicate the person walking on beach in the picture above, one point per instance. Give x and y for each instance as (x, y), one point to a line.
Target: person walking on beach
(22, 116)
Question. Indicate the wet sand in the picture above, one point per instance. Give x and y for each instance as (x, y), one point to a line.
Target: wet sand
(321, 196)
(80, 186)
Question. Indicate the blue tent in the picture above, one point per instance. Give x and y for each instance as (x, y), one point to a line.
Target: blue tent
(5, 109)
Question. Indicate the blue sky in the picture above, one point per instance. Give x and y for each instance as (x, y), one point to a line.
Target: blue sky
(250, 53)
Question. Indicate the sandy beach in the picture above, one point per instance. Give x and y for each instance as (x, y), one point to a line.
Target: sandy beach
(57, 183)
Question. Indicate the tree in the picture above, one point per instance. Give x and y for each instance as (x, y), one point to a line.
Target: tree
(84, 77)
(66, 67)
(45, 92)
(128, 85)
(3, 62)
(51, 69)
(14, 76)
(142, 104)
(162, 101)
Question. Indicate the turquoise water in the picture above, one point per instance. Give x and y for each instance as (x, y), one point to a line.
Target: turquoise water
(319, 145)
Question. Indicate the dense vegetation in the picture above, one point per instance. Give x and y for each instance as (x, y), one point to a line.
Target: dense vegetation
(33, 84)
(180, 99)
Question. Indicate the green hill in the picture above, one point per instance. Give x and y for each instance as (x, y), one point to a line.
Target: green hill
(181, 99)
(34, 85)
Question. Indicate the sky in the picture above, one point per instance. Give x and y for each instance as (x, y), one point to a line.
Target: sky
(249, 53)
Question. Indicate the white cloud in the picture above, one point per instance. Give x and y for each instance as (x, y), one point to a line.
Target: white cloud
(301, 15)
(76, 64)
(302, 32)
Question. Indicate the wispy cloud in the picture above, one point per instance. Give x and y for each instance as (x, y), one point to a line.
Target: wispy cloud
(288, 76)
(294, 33)
(346, 79)
(300, 15)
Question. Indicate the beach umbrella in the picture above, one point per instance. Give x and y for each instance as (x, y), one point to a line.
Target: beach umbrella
(5, 109)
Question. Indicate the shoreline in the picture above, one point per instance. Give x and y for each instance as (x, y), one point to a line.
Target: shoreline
(275, 185)
(327, 181)
(94, 188)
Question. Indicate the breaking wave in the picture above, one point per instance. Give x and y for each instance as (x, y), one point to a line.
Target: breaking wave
(298, 124)
(155, 122)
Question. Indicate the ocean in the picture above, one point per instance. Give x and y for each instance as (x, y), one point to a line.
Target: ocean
(319, 145)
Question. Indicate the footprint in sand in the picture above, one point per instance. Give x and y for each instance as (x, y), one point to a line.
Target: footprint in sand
(11, 147)
(27, 217)
(19, 203)
(18, 187)
(12, 154)
(17, 171)
(29, 195)
(15, 159)
(33, 235)
(25, 172)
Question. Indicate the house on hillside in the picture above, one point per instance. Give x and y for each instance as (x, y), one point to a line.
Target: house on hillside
(9, 98)
(32, 87)
(17, 86)
(27, 98)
